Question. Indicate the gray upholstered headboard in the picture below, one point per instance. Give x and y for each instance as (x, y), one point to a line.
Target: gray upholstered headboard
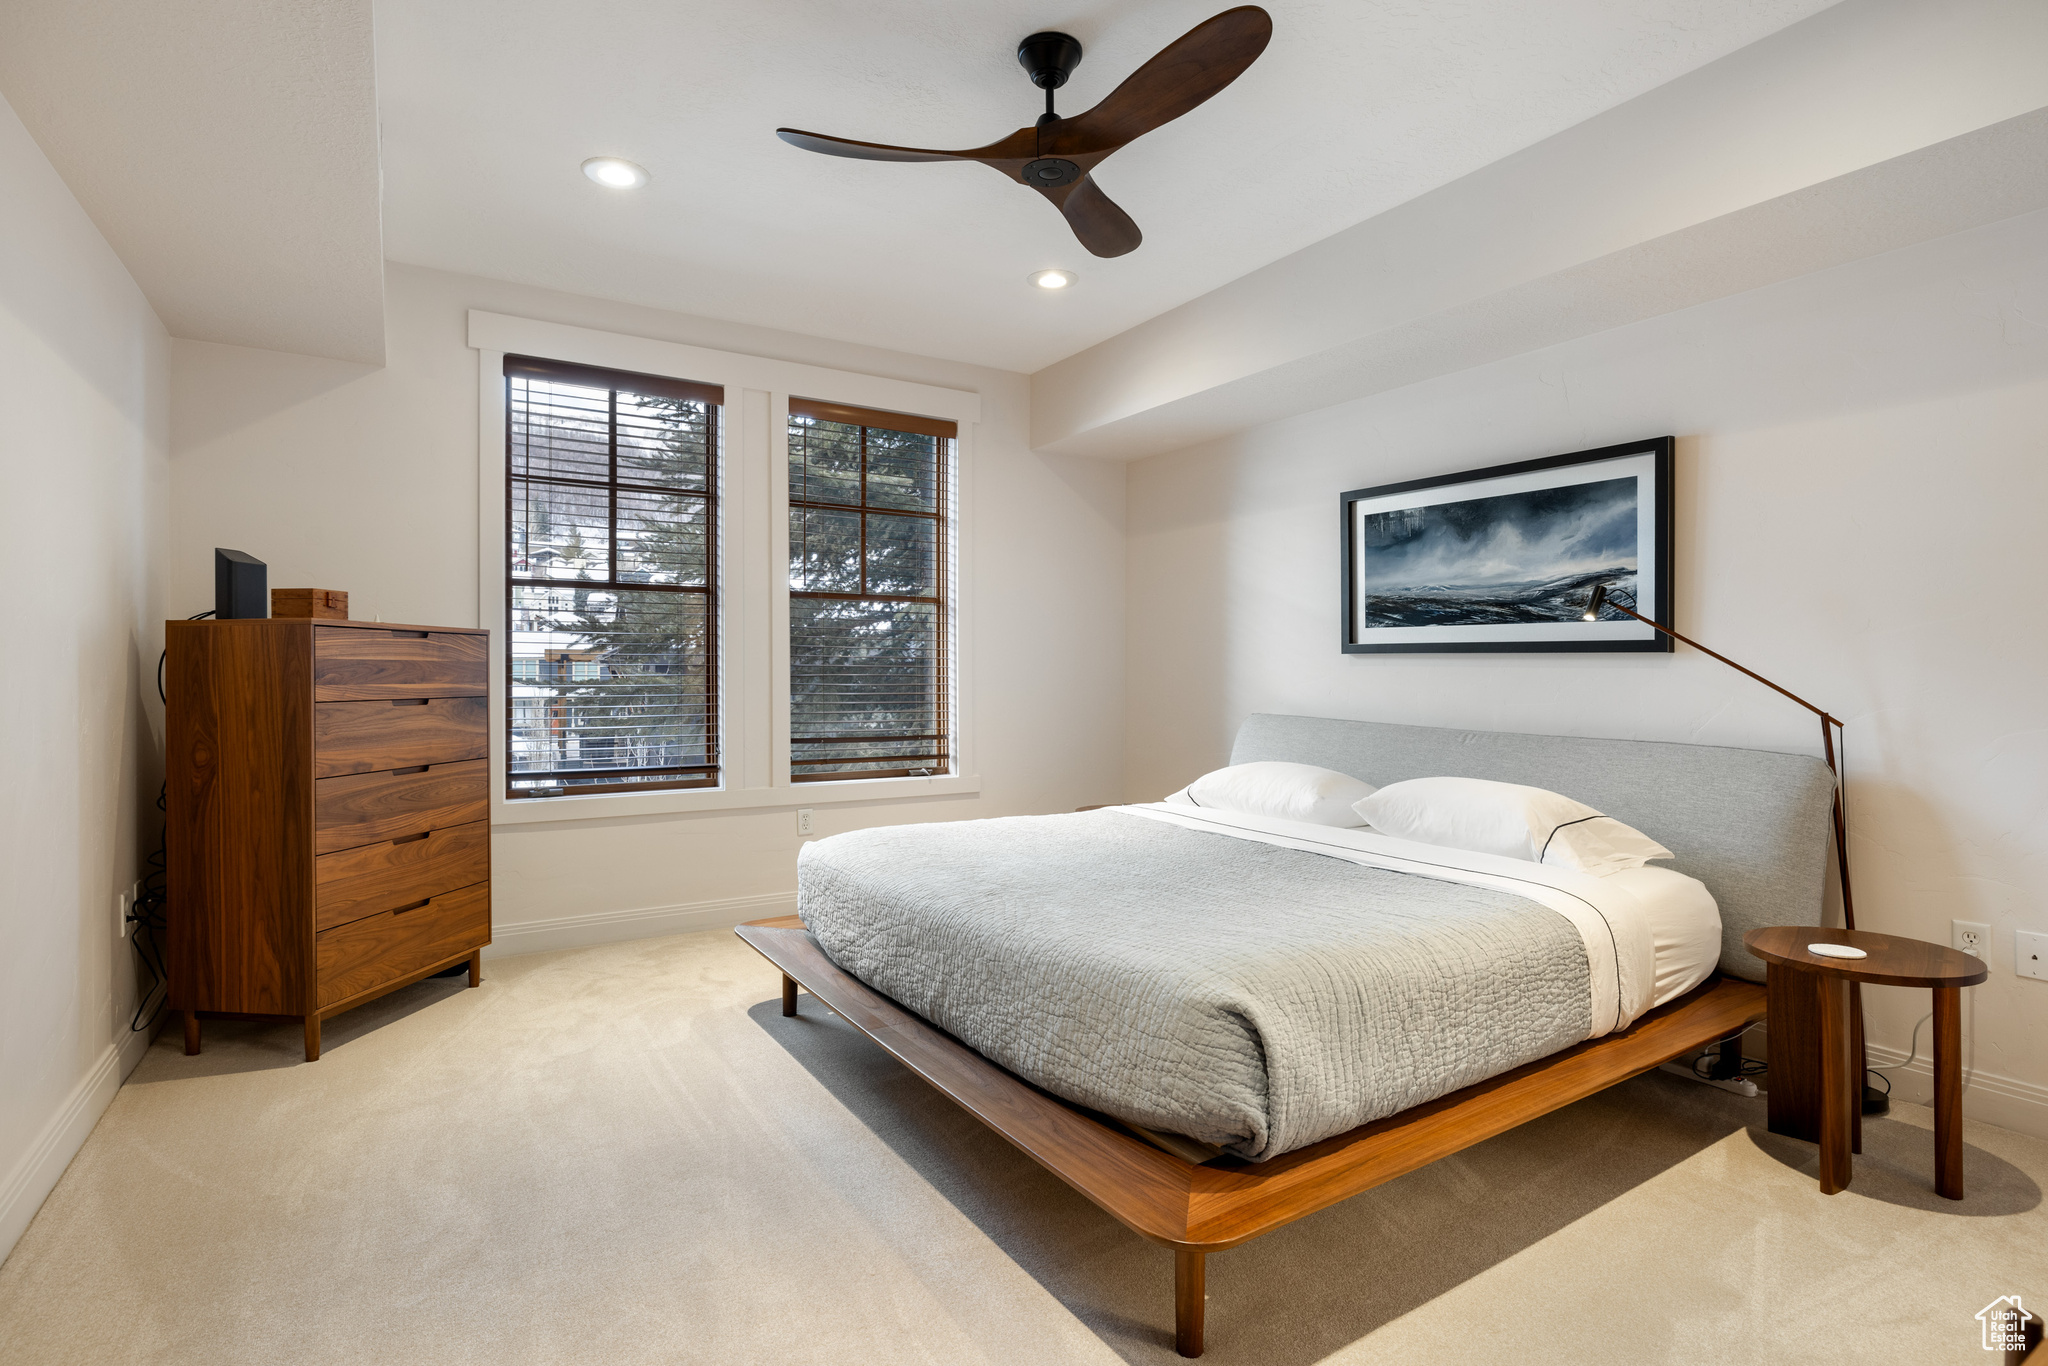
(1752, 825)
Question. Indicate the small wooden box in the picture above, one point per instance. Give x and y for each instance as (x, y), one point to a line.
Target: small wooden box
(326, 603)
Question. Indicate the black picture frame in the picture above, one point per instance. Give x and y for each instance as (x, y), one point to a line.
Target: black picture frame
(1541, 637)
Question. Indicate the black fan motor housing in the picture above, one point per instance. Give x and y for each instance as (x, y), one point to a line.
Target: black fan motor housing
(1050, 58)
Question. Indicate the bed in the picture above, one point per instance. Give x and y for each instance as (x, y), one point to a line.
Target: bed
(1212, 1024)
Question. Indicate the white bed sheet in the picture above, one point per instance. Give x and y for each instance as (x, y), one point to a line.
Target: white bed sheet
(1685, 926)
(1651, 934)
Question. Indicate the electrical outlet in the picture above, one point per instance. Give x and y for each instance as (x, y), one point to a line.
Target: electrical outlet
(121, 915)
(2030, 954)
(803, 820)
(1967, 936)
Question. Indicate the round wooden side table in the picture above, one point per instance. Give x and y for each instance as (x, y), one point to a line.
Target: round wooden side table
(1809, 1030)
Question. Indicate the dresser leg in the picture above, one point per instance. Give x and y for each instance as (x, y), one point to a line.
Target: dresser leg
(788, 994)
(191, 1033)
(1840, 1091)
(1190, 1296)
(476, 968)
(312, 1038)
(1948, 1092)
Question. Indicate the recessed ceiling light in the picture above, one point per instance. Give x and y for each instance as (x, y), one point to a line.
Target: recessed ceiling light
(1051, 279)
(616, 173)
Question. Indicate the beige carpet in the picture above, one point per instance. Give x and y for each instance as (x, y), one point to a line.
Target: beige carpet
(625, 1154)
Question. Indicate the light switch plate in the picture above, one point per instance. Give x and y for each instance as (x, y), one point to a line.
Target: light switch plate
(2030, 954)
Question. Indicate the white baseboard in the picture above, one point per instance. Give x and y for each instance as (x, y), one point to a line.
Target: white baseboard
(650, 922)
(36, 1174)
(2017, 1105)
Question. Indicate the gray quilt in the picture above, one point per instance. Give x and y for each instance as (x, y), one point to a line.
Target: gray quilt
(1251, 997)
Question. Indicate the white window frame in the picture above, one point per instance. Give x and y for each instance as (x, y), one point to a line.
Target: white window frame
(753, 540)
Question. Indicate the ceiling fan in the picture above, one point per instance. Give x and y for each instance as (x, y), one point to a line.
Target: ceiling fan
(1055, 156)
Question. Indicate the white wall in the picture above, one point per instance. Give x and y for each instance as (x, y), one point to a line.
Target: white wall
(345, 477)
(1862, 469)
(83, 434)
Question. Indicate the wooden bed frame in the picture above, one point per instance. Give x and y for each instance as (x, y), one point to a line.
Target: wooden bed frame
(1200, 1208)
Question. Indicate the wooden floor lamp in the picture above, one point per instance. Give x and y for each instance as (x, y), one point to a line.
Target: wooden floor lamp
(1874, 1101)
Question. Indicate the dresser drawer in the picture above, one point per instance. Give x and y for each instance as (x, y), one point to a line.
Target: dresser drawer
(367, 953)
(371, 808)
(362, 737)
(377, 877)
(358, 664)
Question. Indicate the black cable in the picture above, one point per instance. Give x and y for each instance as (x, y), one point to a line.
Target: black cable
(162, 655)
(1750, 1067)
(147, 915)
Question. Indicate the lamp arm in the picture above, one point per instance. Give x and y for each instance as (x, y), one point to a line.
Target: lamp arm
(1828, 725)
(1786, 692)
(1827, 740)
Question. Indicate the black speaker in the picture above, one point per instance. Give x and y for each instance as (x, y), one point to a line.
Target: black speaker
(241, 585)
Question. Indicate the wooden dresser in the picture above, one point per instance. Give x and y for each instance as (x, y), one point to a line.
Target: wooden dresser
(328, 814)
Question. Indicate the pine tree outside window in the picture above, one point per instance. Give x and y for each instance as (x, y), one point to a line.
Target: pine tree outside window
(870, 572)
(612, 591)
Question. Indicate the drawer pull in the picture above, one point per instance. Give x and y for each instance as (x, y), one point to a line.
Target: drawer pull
(408, 701)
(412, 839)
(416, 768)
(415, 906)
(409, 635)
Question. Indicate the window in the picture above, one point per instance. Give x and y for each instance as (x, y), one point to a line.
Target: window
(651, 660)
(611, 583)
(870, 568)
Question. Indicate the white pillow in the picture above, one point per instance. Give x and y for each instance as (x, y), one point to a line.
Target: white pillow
(1295, 792)
(1510, 820)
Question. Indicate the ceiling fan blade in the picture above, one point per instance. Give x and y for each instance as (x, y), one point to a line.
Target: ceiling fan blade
(1104, 228)
(1179, 77)
(863, 151)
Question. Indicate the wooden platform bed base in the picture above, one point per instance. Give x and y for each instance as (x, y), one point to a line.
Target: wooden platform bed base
(1197, 1209)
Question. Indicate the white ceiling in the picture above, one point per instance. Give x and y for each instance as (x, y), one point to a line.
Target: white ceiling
(489, 106)
(227, 150)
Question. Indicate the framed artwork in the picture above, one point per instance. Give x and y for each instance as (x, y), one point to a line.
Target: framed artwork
(1505, 558)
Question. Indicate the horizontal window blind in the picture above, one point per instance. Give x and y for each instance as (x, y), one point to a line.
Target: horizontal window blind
(611, 582)
(870, 571)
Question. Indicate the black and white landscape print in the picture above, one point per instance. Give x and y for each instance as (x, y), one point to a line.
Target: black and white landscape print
(1514, 558)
